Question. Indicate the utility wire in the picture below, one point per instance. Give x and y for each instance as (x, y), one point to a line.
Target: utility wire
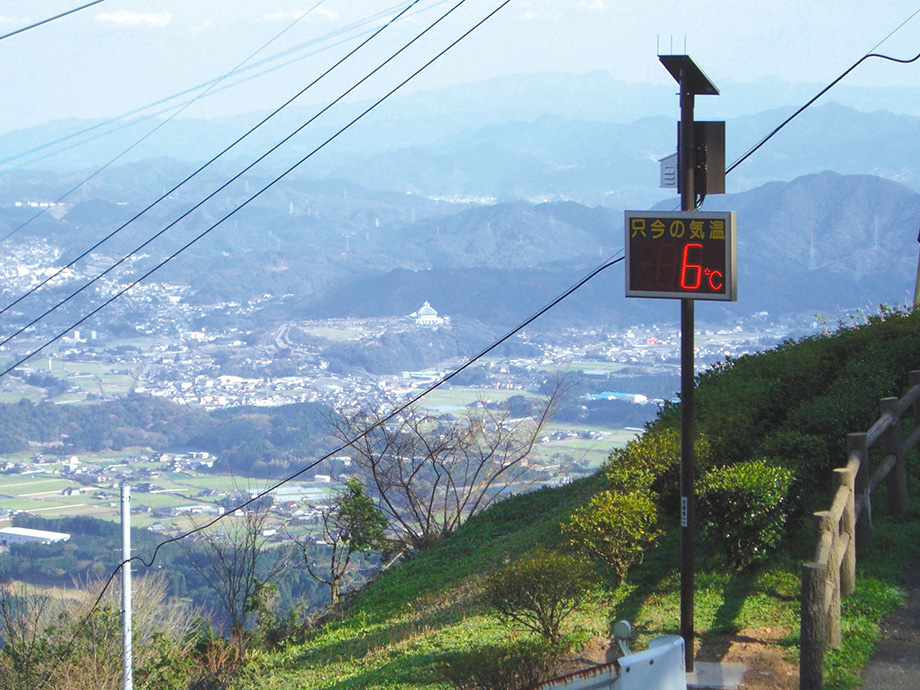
(350, 442)
(163, 123)
(230, 181)
(50, 19)
(396, 412)
(154, 104)
(893, 32)
(823, 91)
(542, 311)
(216, 191)
(127, 124)
(271, 184)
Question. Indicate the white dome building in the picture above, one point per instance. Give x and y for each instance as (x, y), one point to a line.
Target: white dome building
(427, 316)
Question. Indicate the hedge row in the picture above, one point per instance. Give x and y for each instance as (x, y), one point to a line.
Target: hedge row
(771, 427)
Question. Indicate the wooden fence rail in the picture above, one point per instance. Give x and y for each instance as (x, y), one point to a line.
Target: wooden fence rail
(846, 529)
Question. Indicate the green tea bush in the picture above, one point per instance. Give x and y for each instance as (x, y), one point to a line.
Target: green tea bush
(741, 400)
(652, 463)
(614, 528)
(745, 508)
(539, 591)
(521, 664)
(809, 458)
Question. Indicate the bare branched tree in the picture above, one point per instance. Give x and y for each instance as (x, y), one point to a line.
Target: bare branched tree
(431, 473)
(233, 560)
(57, 642)
(25, 612)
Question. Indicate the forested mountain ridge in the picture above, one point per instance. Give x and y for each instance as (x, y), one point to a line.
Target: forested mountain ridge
(820, 243)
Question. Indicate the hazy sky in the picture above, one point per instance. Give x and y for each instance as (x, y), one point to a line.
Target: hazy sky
(123, 54)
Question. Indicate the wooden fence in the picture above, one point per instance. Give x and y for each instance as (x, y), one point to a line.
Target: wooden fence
(846, 529)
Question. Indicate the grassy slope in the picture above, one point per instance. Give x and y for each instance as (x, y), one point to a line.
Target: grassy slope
(398, 628)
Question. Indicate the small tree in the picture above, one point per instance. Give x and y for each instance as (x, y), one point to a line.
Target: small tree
(745, 507)
(540, 591)
(351, 524)
(518, 664)
(614, 528)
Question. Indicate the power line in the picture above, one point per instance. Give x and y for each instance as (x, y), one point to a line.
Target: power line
(154, 104)
(893, 32)
(823, 91)
(163, 123)
(50, 19)
(234, 178)
(343, 446)
(262, 190)
(201, 168)
(542, 311)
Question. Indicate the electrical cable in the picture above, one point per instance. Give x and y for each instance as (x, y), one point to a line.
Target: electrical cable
(163, 123)
(893, 32)
(196, 172)
(386, 96)
(454, 372)
(50, 19)
(137, 249)
(823, 91)
(350, 442)
(154, 104)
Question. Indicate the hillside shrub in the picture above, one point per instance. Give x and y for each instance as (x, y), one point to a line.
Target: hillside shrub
(521, 664)
(652, 463)
(809, 458)
(539, 591)
(745, 508)
(614, 528)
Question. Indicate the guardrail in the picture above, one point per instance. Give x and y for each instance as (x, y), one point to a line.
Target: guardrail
(846, 528)
(661, 667)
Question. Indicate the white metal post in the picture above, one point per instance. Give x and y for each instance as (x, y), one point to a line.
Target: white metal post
(127, 661)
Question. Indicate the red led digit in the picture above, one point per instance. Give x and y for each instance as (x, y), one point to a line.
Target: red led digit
(684, 267)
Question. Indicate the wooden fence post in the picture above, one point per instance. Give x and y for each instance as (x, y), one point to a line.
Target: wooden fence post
(858, 448)
(897, 478)
(813, 628)
(825, 524)
(844, 478)
(914, 379)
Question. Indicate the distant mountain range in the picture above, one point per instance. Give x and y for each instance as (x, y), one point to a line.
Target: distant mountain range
(585, 138)
(490, 217)
(820, 243)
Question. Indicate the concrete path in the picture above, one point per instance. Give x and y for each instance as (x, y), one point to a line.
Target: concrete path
(714, 676)
(895, 664)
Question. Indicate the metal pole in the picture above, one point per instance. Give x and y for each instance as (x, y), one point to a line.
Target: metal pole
(916, 291)
(687, 425)
(127, 672)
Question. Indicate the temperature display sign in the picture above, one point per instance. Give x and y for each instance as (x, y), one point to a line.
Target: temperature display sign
(681, 255)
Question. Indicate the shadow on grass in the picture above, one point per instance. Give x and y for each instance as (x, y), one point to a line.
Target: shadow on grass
(647, 580)
(354, 643)
(417, 668)
(722, 631)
